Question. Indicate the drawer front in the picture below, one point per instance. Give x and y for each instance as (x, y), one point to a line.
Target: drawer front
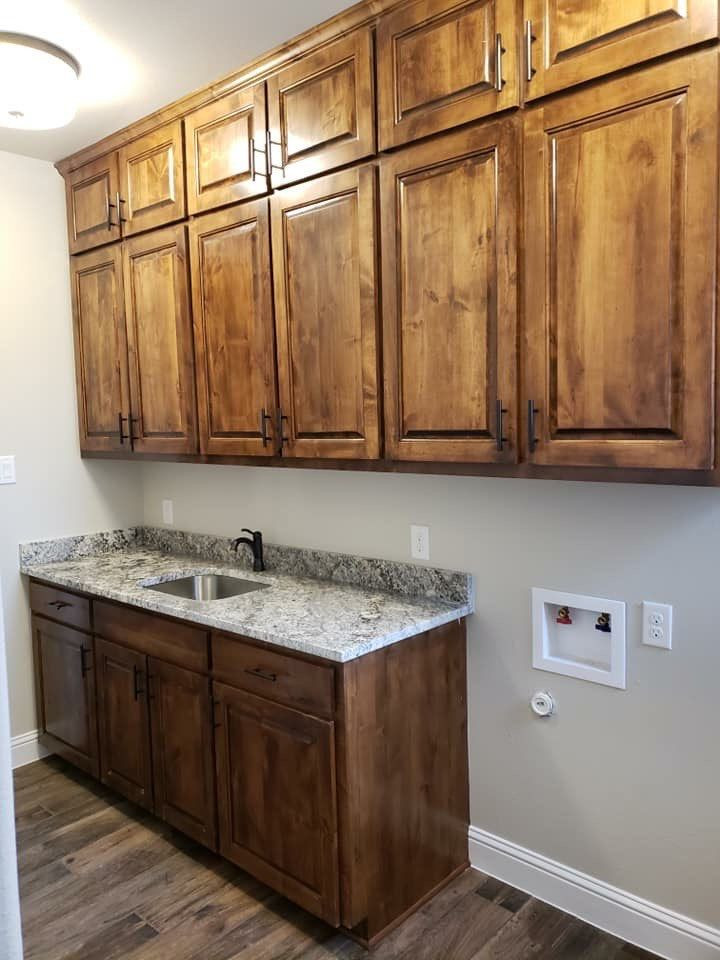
(147, 633)
(306, 686)
(60, 605)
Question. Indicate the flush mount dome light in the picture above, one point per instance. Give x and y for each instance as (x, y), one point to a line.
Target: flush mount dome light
(38, 83)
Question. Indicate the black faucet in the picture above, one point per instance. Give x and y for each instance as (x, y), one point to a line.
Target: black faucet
(254, 541)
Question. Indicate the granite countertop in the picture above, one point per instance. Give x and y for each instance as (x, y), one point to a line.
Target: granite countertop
(339, 621)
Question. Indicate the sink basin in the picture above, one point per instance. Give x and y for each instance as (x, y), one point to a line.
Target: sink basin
(207, 586)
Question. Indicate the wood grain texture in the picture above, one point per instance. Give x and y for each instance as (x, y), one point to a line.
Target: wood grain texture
(438, 68)
(403, 777)
(326, 303)
(620, 269)
(65, 686)
(449, 239)
(259, 669)
(152, 179)
(321, 110)
(578, 40)
(89, 192)
(160, 343)
(226, 150)
(182, 750)
(234, 330)
(124, 721)
(281, 822)
(98, 305)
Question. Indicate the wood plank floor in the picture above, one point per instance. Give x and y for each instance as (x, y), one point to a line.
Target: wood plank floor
(102, 880)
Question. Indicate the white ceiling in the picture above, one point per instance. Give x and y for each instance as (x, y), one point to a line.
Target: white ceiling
(138, 55)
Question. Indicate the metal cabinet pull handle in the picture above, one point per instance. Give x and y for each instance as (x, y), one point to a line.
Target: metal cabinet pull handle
(119, 201)
(109, 208)
(84, 666)
(529, 39)
(59, 604)
(281, 420)
(500, 440)
(123, 436)
(137, 689)
(499, 51)
(254, 173)
(264, 435)
(262, 674)
(133, 438)
(532, 439)
(270, 144)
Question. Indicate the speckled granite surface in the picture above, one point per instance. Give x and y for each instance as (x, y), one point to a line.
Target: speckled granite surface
(324, 616)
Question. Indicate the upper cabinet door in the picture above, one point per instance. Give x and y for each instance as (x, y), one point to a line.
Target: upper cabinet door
(442, 63)
(152, 183)
(568, 43)
(100, 349)
(621, 249)
(225, 150)
(160, 343)
(449, 231)
(324, 257)
(322, 110)
(92, 196)
(234, 336)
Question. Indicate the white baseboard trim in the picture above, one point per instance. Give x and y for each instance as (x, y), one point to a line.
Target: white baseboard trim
(26, 749)
(628, 917)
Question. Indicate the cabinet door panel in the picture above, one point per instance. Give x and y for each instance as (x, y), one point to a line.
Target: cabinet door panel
(66, 692)
(578, 41)
(620, 271)
(321, 110)
(182, 747)
(280, 824)
(225, 144)
(124, 722)
(234, 335)
(438, 66)
(449, 220)
(91, 194)
(160, 342)
(325, 297)
(100, 349)
(152, 179)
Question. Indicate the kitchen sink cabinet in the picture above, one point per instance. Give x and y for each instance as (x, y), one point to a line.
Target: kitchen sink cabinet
(569, 43)
(343, 786)
(65, 686)
(621, 240)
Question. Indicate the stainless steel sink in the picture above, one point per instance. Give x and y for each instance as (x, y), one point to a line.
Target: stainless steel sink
(207, 586)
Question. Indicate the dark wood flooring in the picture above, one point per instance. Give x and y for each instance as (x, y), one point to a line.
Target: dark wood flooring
(102, 880)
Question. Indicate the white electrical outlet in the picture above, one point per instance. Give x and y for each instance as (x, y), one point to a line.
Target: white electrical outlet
(7, 469)
(657, 625)
(167, 512)
(419, 542)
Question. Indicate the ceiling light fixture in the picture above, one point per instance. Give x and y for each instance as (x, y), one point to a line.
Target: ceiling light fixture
(38, 83)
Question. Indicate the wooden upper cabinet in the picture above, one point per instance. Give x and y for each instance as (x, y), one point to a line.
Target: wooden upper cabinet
(621, 240)
(66, 691)
(160, 345)
(91, 193)
(277, 797)
(321, 110)
(152, 182)
(226, 150)
(324, 259)
(443, 63)
(182, 750)
(234, 335)
(449, 222)
(124, 722)
(573, 42)
(100, 349)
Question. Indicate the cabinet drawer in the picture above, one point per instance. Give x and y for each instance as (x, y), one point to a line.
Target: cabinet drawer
(298, 683)
(167, 640)
(60, 605)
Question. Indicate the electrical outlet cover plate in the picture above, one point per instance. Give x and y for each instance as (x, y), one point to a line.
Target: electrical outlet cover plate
(657, 625)
(7, 469)
(419, 542)
(578, 649)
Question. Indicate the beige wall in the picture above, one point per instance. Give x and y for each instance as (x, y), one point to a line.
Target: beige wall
(56, 493)
(623, 785)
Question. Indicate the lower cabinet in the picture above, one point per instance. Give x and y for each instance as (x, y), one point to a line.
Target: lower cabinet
(66, 692)
(280, 823)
